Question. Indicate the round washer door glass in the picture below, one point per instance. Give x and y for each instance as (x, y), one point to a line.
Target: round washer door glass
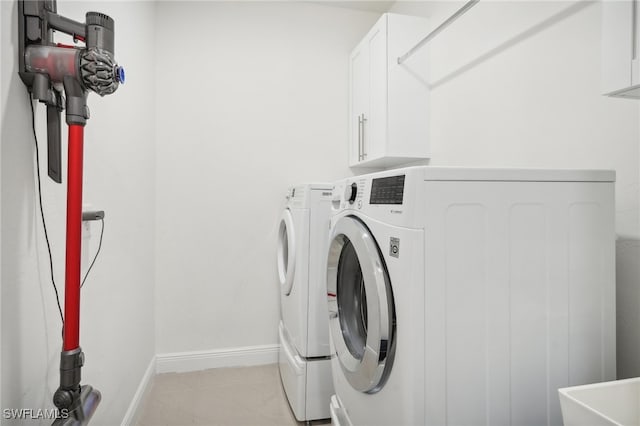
(286, 252)
(361, 308)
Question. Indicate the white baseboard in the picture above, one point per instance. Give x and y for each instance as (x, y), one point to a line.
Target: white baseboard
(133, 412)
(182, 362)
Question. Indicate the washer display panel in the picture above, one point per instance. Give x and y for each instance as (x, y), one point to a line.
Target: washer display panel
(361, 308)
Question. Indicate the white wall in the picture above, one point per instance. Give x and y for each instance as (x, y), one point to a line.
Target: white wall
(255, 100)
(117, 333)
(517, 84)
(252, 97)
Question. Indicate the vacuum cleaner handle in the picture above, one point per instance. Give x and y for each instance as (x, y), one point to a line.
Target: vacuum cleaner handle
(54, 154)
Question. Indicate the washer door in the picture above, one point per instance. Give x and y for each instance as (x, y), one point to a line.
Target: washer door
(361, 308)
(286, 252)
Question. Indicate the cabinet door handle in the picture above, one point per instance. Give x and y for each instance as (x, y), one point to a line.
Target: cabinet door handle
(362, 121)
(360, 137)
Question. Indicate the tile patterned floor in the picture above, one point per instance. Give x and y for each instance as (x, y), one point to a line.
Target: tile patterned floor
(248, 396)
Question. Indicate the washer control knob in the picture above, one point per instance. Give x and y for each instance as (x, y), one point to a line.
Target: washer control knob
(351, 192)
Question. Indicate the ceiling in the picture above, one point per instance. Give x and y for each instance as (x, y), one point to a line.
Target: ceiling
(379, 6)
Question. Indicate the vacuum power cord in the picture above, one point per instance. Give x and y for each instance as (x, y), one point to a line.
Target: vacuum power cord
(99, 247)
(44, 223)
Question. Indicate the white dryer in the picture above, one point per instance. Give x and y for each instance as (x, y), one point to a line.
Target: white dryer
(305, 367)
(469, 296)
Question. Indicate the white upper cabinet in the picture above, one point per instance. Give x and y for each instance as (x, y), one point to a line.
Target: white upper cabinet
(620, 48)
(388, 102)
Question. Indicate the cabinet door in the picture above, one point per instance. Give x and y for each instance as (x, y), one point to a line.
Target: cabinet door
(359, 101)
(375, 124)
(388, 102)
(620, 47)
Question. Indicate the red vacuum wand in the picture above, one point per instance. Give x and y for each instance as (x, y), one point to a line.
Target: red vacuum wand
(61, 77)
(74, 238)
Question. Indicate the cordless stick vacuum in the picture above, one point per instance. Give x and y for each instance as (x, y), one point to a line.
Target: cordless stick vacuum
(60, 76)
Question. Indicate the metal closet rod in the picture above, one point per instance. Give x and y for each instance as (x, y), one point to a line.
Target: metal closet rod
(468, 5)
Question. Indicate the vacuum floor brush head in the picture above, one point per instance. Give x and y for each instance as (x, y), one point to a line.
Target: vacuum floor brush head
(82, 409)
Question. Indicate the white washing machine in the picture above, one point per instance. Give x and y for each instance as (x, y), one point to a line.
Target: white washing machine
(469, 296)
(305, 366)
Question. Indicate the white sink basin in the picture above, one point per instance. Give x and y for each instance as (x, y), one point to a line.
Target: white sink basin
(600, 404)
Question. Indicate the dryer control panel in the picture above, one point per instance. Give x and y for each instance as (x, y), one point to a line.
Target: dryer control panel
(387, 190)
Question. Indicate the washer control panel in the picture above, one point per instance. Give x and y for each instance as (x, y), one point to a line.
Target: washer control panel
(351, 193)
(387, 190)
(348, 194)
(355, 193)
(393, 197)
